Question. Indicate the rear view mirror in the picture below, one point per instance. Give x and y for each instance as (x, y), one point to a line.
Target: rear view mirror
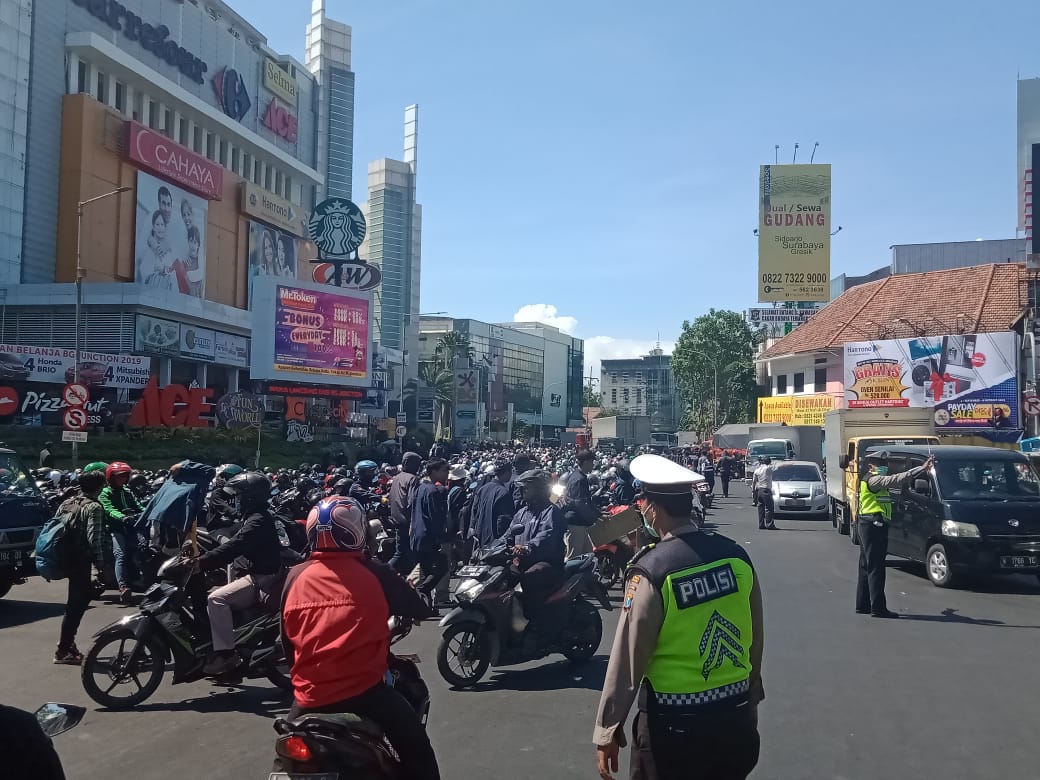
(921, 487)
(56, 718)
(843, 462)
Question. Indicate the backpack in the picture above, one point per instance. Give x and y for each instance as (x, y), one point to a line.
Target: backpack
(55, 546)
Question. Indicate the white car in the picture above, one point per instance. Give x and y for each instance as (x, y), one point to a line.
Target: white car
(799, 489)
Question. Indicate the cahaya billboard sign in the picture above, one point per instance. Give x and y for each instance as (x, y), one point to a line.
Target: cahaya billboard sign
(794, 232)
(965, 378)
(159, 154)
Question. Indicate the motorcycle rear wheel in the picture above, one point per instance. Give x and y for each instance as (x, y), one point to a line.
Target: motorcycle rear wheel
(279, 676)
(464, 644)
(584, 632)
(150, 661)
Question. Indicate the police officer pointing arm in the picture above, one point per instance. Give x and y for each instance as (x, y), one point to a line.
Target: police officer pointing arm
(688, 648)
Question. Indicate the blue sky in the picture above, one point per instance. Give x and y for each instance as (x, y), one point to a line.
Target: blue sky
(602, 157)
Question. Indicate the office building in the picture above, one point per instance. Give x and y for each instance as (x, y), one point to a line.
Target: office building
(328, 60)
(642, 386)
(536, 368)
(393, 243)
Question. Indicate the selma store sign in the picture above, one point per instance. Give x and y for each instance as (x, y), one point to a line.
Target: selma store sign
(278, 81)
(153, 38)
(158, 153)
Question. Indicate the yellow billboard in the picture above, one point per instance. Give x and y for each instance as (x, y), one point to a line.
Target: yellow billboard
(794, 233)
(795, 409)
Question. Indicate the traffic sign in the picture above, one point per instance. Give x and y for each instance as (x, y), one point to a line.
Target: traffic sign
(74, 419)
(401, 431)
(76, 394)
(402, 417)
(80, 437)
(1031, 404)
(8, 401)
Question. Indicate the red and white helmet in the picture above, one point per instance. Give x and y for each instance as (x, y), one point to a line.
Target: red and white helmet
(338, 524)
(117, 468)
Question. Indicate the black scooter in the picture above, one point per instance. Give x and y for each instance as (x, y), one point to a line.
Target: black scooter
(128, 659)
(489, 627)
(346, 745)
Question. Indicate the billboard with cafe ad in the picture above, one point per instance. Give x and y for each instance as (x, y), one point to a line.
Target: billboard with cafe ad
(970, 380)
(794, 233)
(310, 333)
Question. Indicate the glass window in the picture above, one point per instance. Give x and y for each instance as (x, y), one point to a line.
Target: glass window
(101, 82)
(985, 479)
(796, 473)
(14, 479)
(820, 380)
(120, 96)
(81, 84)
(799, 382)
(781, 384)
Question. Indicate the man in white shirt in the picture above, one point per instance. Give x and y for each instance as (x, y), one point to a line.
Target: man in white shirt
(762, 489)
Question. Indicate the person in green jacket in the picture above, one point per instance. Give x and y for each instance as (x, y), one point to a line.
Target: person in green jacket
(121, 512)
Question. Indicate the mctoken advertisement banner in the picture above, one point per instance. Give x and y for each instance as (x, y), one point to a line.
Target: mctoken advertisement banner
(794, 233)
(970, 380)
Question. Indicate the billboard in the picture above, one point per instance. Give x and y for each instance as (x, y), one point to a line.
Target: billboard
(965, 378)
(157, 153)
(271, 253)
(160, 337)
(231, 350)
(170, 237)
(310, 333)
(795, 409)
(794, 233)
(197, 343)
(23, 363)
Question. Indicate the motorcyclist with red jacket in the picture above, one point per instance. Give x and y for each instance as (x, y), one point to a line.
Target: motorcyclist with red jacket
(335, 610)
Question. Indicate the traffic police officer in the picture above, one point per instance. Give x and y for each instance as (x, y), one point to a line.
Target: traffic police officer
(688, 646)
(873, 518)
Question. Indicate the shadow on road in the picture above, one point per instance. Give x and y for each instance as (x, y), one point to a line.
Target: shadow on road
(1007, 585)
(551, 677)
(21, 613)
(266, 702)
(950, 615)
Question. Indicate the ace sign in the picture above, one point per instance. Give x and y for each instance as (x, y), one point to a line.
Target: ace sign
(173, 406)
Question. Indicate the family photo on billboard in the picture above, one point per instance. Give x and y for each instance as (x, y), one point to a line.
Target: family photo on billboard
(271, 253)
(170, 240)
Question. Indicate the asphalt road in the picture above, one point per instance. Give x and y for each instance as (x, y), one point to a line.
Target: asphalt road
(949, 691)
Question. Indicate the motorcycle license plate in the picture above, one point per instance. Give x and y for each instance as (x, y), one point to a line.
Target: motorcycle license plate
(473, 571)
(298, 776)
(1019, 561)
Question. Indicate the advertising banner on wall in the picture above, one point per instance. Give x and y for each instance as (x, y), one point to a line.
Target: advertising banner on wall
(795, 409)
(794, 233)
(21, 363)
(970, 380)
(271, 253)
(170, 237)
(160, 337)
(154, 151)
(258, 202)
(310, 333)
(231, 350)
(197, 343)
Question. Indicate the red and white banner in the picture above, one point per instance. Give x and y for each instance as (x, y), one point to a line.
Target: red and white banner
(177, 163)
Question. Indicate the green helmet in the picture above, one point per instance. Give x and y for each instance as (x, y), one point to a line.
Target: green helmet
(97, 465)
(229, 470)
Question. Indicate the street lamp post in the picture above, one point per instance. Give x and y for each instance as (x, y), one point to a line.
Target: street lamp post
(79, 288)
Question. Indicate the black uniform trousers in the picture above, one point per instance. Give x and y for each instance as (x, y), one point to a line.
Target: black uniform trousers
(80, 592)
(764, 498)
(724, 476)
(873, 549)
(718, 745)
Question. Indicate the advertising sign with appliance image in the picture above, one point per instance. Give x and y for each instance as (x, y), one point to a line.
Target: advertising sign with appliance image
(970, 380)
(170, 238)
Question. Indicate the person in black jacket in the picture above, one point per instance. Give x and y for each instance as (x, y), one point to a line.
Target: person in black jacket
(255, 548)
(493, 508)
(429, 527)
(577, 506)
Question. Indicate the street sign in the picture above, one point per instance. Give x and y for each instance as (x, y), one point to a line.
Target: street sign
(402, 417)
(76, 394)
(74, 419)
(80, 437)
(1031, 404)
(466, 414)
(401, 431)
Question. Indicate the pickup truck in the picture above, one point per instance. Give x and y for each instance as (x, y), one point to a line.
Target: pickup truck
(23, 512)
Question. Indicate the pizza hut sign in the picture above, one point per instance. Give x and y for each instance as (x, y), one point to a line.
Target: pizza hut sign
(177, 163)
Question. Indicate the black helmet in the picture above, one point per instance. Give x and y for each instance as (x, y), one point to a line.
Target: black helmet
(305, 485)
(253, 490)
(535, 477)
(342, 486)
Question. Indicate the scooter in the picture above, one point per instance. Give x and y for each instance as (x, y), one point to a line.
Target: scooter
(489, 627)
(322, 745)
(128, 658)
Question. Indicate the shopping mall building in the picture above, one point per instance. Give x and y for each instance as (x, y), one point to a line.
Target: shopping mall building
(221, 146)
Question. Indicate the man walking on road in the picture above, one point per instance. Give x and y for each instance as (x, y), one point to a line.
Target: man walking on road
(726, 466)
(875, 513)
(688, 648)
(402, 493)
(762, 490)
(493, 508)
(429, 527)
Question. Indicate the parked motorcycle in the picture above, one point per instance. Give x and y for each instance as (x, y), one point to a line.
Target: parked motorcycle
(128, 658)
(323, 745)
(489, 627)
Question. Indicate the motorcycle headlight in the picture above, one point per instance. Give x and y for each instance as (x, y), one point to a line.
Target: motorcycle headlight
(960, 530)
(469, 589)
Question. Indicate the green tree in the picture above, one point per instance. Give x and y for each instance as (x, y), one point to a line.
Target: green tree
(451, 346)
(442, 381)
(591, 397)
(716, 347)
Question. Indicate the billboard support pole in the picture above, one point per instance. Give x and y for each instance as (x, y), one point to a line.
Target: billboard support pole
(259, 430)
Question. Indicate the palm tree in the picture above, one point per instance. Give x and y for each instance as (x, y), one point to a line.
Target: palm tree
(451, 346)
(442, 381)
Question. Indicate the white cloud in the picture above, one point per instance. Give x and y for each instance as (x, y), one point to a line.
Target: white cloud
(547, 314)
(599, 348)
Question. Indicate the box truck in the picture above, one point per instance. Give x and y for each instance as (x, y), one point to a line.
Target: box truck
(783, 442)
(632, 431)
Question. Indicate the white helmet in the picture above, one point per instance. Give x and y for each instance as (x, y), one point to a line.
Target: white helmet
(55, 478)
